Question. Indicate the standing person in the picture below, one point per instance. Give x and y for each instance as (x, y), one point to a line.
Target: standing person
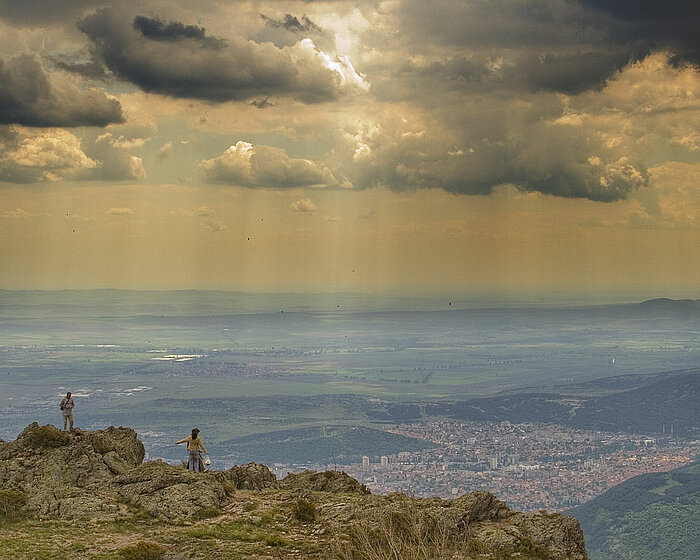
(195, 447)
(67, 405)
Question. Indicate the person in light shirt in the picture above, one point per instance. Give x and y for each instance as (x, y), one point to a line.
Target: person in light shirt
(195, 447)
(67, 405)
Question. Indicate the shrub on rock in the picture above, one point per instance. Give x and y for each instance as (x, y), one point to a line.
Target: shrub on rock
(12, 504)
(43, 437)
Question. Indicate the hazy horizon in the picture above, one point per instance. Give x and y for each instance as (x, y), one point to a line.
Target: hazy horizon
(252, 302)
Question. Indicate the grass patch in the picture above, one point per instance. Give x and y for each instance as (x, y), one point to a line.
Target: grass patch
(399, 531)
(304, 511)
(234, 531)
(143, 551)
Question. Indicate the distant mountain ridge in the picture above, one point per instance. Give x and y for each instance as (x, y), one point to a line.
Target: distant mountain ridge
(667, 303)
(670, 400)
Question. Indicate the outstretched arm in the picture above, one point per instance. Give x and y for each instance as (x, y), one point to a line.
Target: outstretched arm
(181, 441)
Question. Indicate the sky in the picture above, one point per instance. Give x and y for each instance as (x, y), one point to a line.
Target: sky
(399, 147)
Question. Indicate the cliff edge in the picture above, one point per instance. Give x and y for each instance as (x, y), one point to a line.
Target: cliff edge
(88, 494)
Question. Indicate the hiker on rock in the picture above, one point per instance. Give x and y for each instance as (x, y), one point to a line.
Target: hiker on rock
(195, 447)
(67, 405)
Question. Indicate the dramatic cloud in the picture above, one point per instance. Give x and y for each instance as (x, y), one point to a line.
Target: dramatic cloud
(251, 166)
(54, 154)
(153, 28)
(654, 25)
(557, 45)
(41, 12)
(29, 97)
(550, 144)
(50, 155)
(182, 61)
(555, 96)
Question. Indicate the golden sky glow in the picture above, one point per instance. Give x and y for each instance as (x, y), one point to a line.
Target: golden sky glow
(337, 146)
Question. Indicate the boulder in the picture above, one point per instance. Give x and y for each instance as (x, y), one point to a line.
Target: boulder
(558, 533)
(326, 481)
(120, 441)
(171, 493)
(251, 476)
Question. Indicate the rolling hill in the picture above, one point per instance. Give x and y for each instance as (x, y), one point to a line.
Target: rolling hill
(649, 517)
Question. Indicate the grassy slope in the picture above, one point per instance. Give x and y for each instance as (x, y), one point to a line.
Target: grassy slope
(650, 517)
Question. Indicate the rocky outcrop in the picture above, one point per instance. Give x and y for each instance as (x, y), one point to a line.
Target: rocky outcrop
(327, 481)
(171, 493)
(67, 474)
(251, 476)
(89, 476)
(87, 473)
(476, 525)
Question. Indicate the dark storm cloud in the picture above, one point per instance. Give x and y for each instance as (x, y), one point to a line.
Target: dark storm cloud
(292, 23)
(568, 74)
(181, 61)
(499, 23)
(649, 11)
(42, 12)
(536, 143)
(651, 24)
(526, 72)
(28, 97)
(556, 45)
(155, 29)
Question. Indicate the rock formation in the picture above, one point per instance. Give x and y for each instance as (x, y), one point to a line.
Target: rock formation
(83, 475)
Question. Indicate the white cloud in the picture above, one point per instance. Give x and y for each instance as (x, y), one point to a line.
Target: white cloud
(303, 205)
(306, 50)
(252, 166)
(28, 156)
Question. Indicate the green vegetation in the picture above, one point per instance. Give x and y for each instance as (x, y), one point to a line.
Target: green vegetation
(660, 530)
(143, 551)
(236, 530)
(304, 511)
(645, 518)
(12, 504)
(45, 437)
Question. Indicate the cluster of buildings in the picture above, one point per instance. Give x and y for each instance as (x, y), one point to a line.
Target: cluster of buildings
(530, 466)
